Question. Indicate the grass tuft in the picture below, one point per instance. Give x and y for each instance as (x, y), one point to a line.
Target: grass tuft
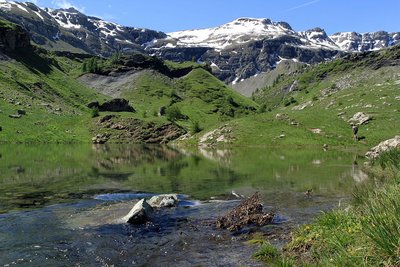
(266, 252)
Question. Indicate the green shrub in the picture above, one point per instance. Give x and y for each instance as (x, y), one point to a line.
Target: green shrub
(196, 127)
(173, 113)
(289, 101)
(95, 112)
(91, 65)
(263, 108)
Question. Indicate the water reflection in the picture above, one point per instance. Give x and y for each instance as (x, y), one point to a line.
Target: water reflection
(96, 185)
(36, 176)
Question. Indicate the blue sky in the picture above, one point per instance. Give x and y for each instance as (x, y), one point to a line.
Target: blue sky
(173, 15)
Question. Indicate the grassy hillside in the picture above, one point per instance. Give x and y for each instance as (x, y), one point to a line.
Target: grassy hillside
(42, 99)
(314, 106)
(52, 104)
(311, 106)
(184, 93)
(198, 95)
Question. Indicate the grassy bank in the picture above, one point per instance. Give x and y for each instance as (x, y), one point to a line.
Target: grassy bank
(367, 233)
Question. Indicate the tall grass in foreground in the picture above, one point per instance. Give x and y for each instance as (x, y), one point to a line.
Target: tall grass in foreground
(365, 234)
(381, 223)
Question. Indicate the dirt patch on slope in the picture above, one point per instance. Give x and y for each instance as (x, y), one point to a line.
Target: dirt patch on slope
(113, 84)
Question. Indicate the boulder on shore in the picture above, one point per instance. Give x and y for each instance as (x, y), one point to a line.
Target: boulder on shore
(164, 201)
(139, 214)
(384, 146)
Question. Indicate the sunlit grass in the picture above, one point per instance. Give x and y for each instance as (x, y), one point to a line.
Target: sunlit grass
(365, 234)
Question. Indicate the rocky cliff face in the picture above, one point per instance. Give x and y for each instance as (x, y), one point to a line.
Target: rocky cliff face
(70, 30)
(13, 37)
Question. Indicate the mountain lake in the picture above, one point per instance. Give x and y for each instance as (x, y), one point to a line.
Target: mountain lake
(59, 203)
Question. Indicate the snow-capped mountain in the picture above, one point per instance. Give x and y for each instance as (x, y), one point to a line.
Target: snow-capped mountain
(248, 46)
(239, 31)
(71, 30)
(245, 30)
(235, 50)
(352, 41)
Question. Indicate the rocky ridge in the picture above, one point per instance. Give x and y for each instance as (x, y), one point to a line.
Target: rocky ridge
(236, 50)
(71, 30)
(247, 47)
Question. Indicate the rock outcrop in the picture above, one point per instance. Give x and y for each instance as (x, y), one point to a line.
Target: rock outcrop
(247, 46)
(13, 37)
(129, 130)
(113, 105)
(70, 29)
(360, 118)
(384, 146)
(100, 138)
(116, 105)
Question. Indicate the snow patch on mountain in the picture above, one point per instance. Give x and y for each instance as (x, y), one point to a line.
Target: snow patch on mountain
(38, 14)
(239, 31)
(4, 4)
(352, 41)
(18, 5)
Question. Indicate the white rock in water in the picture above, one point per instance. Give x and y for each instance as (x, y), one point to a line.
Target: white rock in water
(383, 147)
(164, 201)
(139, 214)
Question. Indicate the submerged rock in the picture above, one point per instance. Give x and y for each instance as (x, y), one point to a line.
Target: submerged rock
(384, 146)
(139, 214)
(250, 211)
(163, 201)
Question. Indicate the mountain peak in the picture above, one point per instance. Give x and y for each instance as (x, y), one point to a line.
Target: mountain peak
(239, 31)
(252, 20)
(259, 21)
(317, 29)
(71, 10)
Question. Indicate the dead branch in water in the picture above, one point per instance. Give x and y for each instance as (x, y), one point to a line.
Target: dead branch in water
(250, 211)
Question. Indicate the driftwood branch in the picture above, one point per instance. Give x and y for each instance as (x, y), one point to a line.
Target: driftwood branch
(250, 211)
